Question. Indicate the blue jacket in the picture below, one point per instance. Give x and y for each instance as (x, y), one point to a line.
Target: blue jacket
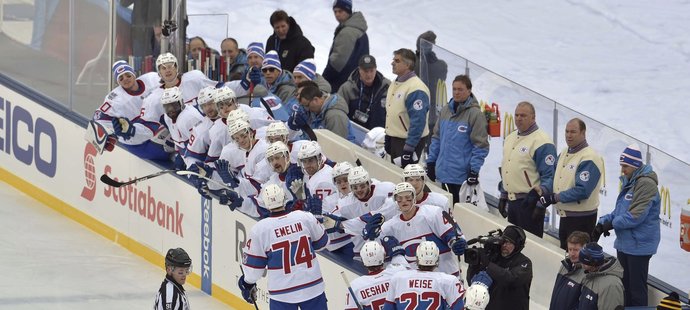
(460, 142)
(333, 116)
(636, 216)
(568, 286)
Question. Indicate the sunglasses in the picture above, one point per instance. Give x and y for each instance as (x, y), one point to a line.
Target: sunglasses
(264, 70)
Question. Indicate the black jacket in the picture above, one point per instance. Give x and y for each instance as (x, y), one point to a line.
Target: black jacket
(369, 100)
(293, 49)
(512, 278)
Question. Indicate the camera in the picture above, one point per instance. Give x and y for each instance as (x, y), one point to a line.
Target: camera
(490, 246)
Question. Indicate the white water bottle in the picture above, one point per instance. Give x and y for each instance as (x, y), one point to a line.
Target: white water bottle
(547, 220)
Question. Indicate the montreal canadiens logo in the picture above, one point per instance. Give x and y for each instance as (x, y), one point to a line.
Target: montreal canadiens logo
(418, 105)
(549, 160)
(462, 128)
(524, 149)
(628, 196)
(584, 176)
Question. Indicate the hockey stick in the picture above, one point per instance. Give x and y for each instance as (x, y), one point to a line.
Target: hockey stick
(242, 271)
(452, 222)
(268, 109)
(110, 181)
(198, 175)
(310, 132)
(349, 288)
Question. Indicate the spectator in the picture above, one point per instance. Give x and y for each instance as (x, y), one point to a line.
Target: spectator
(171, 294)
(278, 81)
(365, 92)
(576, 183)
(255, 59)
(306, 71)
(460, 142)
(407, 111)
(235, 57)
(511, 272)
(601, 286)
(255, 55)
(566, 290)
(527, 171)
(319, 110)
(350, 43)
(196, 45)
(432, 71)
(288, 41)
(636, 222)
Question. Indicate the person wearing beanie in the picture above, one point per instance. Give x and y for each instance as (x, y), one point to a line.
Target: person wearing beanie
(670, 302)
(350, 43)
(431, 70)
(276, 80)
(635, 219)
(288, 41)
(601, 287)
(510, 270)
(365, 92)
(566, 289)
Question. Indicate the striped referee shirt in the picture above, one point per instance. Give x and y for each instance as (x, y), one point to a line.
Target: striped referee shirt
(171, 296)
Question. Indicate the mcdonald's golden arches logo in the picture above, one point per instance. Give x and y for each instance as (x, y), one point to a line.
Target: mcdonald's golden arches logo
(665, 193)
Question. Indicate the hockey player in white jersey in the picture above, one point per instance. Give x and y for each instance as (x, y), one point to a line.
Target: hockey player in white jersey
(283, 247)
(179, 118)
(418, 223)
(278, 131)
(340, 242)
(226, 102)
(370, 290)
(424, 288)
(121, 108)
(200, 138)
(416, 175)
(316, 183)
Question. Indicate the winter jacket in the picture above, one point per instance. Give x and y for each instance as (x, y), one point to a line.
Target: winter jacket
(369, 100)
(431, 72)
(237, 69)
(566, 290)
(636, 215)
(460, 142)
(293, 103)
(293, 49)
(577, 181)
(512, 278)
(283, 87)
(602, 289)
(407, 109)
(333, 116)
(528, 160)
(350, 43)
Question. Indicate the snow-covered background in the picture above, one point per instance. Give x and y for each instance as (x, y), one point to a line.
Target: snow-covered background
(622, 63)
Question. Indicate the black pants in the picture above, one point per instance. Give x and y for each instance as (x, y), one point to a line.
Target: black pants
(453, 189)
(394, 147)
(575, 223)
(635, 271)
(522, 216)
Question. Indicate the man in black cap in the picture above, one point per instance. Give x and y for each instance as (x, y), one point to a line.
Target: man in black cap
(602, 287)
(171, 295)
(365, 93)
(511, 272)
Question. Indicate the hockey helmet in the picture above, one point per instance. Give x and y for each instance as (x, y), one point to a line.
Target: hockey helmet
(477, 297)
(238, 126)
(405, 187)
(273, 197)
(373, 254)
(276, 148)
(276, 129)
(164, 59)
(178, 258)
(358, 175)
(341, 168)
(427, 254)
(206, 95)
(413, 170)
(224, 94)
(171, 95)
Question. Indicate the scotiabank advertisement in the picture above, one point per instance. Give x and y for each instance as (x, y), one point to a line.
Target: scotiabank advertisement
(48, 151)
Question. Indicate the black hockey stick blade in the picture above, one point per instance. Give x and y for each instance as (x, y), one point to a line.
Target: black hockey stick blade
(310, 133)
(267, 107)
(114, 183)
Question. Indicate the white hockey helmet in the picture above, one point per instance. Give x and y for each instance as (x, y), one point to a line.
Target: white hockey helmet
(341, 168)
(427, 254)
(413, 170)
(276, 129)
(164, 59)
(273, 196)
(206, 95)
(224, 94)
(309, 149)
(237, 115)
(238, 126)
(277, 147)
(171, 95)
(477, 297)
(373, 254)
(358, 175)
(405, 187)
(374, 141)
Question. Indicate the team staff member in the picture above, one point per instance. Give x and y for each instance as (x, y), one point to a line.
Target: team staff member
(566, 290)
(171, 295)
(407, 111)
(526, 171)
(576, 183)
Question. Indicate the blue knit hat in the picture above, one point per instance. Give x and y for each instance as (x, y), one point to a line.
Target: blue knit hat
(631, 156)
(256, 48)
(308, 68)
(121, 67)
(345, 5)
(271, 61)
(592, 254)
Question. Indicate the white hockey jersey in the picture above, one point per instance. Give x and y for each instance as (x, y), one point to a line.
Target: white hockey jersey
(352, 207)
(371, 290)
(181, 129)
(218, 138)
(282, 246)
(336, 239)
(415, 289)
(320, 184)
(434, 199)
(199, 141)
(427, 224)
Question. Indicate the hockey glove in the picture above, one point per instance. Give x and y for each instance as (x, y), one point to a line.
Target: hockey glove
(255, 76)
(601, 228)
(373, 227)
(549, 199)
(314, 205)
(248, 290)
(392, 246)
(203, 190)
(472, 178)
(297, 188)
(123, 127)
(298, 120)
(431, 171)
(178, 162)
(530, 201)
(459, 246)
(407, 155)
(502, 203)
(482, 278)
(333, 223)
(223, 168)
(197, 169)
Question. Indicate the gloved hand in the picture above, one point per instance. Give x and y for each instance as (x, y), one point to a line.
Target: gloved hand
(483, 278)
(248, 290)
(392, 246)
(531, 199)
(298, 120)
(223, 168)
(178, 162)
(123, 127)
(202, 189)
(549, 199)
(198, 169)
(431, 171)
(502, 203)
(538, 212)
(255, 75)
(235, 200)
(601, 228)
(333, 223)
(314, 205)
(472, 178)
(373, 227)
(406, 157)
(297, 188)
(459, 246)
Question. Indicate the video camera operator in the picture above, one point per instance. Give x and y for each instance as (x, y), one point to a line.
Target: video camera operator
(500, 256)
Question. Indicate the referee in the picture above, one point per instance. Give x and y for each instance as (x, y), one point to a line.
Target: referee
(171, 295)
